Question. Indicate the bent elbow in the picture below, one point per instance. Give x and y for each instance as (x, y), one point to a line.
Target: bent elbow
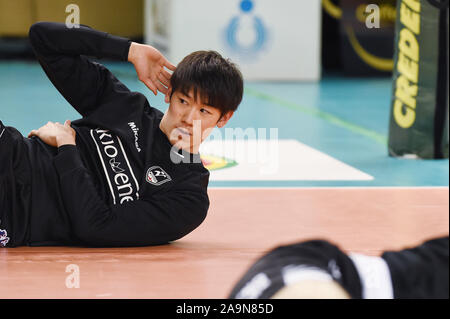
(36, 29)
(41, 33)
(34, 34)
(194, 222)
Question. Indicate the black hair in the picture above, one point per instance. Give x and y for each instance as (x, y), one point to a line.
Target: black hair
(215, 80)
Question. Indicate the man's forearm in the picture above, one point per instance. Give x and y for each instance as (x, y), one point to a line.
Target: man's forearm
(62, 53)
(56, 38)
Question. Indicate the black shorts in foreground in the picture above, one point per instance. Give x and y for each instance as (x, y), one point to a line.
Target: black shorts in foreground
(419, 272)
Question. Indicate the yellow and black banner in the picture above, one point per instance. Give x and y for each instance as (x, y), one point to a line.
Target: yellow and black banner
(366, 30)
(419, 108)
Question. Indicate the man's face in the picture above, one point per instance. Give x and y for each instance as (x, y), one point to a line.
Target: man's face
(188, 122)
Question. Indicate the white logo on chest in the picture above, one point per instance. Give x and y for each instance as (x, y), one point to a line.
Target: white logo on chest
(135, 130)
(119, 175)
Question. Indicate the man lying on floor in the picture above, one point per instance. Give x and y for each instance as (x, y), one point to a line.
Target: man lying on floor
(125, 174)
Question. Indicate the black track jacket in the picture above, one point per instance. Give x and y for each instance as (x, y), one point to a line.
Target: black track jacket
(119, 186)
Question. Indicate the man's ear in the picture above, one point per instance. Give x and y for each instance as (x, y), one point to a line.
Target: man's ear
(224, 119)
(168, 95)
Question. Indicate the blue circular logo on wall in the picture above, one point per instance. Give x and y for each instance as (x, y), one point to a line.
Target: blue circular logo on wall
(247, 23)
(246, 5)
